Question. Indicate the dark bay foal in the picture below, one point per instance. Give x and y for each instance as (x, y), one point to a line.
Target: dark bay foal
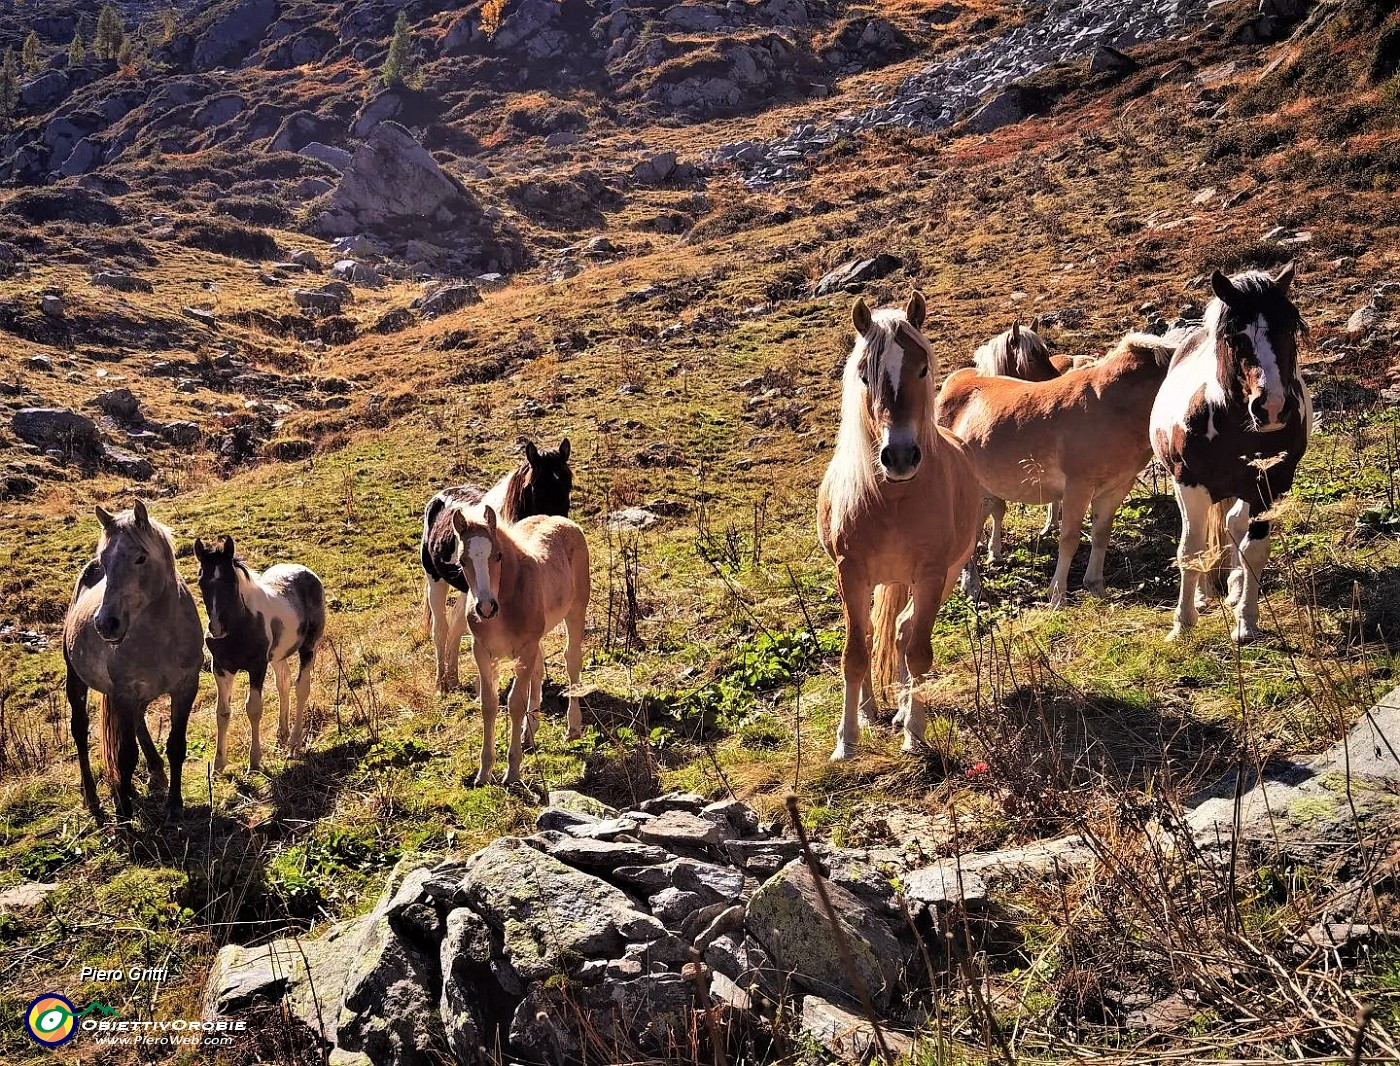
(257, 621)
(540, 485)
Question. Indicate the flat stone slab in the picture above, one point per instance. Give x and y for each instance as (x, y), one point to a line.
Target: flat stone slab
(26, 896)
(675, 828)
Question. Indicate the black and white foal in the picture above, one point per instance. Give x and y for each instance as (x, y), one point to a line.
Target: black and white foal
(540, 485)
(257, 621)
(1231, 424)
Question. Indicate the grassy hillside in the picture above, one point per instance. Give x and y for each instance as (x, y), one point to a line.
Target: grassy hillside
(694, 375)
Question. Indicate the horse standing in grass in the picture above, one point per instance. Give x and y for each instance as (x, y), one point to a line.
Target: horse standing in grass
(132, 633)
(1231, 424)
(523, 580)
(896, 512)
(1080, 438)
(257, 621)
(1019, 353)
(540, 485)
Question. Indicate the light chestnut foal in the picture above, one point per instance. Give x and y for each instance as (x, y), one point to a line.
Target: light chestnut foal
(1080, 438)
(897, 513)
(523, 580)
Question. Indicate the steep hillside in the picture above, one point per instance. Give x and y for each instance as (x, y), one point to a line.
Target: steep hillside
(247, 280)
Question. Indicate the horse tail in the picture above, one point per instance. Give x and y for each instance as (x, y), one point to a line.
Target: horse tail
(890, 601)
(1215, 565)
(111, 740)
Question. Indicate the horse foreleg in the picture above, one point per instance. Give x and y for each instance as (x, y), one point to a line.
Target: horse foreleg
(1254, 555)
(436, 597)
(152, 753)
(1237, 526)
(77, 693)
(916, 647)
(256, 678)
(490, 703)
(1075, 503)
(283, 676)
(518, 704)
(181, 703)
(533, 698)
(452, 652)
(1052, 518)
(223, 711)
(1105, 507)
(996, 508)
(573, 664)
(125, 715)
(1194, 503)
(855, 665)
(308, 656)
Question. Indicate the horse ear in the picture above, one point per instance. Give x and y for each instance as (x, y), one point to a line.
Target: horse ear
(1016, 333)
(916, 310)
(1223, 287)
(459, 523)
(1036, 324)
(564, 449)
(142, 518)
(1284, 279)
(861, 317)
(200, 551)
(105, 517)
(490, 518)
(532, 454)
(227, 548)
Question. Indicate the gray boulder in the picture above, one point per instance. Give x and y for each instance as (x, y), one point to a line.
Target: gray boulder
(121, 404)
(234, 33)
(128, 464)
(382, 108)
(445, 300)
(786, 916)
(114, 279)
(182, 434)
(1008, 106)
(356, 273)
(41, 93)
(325, 153)
(56, 427)
(392, 180)
(857, 272)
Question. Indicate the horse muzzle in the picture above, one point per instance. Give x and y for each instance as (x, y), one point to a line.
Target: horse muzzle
(111, 630)
(487, 609)
(900, 462)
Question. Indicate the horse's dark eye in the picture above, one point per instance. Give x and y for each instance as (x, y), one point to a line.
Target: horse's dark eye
(140, 559)
(923, 371)
(496, 558)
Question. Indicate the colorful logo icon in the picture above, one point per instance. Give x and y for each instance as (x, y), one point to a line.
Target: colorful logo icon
(50, 1020)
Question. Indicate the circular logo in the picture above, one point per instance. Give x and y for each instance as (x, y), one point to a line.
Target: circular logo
(49, 1020)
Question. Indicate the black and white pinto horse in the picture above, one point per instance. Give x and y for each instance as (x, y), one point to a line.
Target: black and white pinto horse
(257, 621)
(1231, 424)
(540, 485)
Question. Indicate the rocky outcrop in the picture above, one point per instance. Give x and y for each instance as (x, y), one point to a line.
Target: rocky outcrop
(603, 933)
(233, 33)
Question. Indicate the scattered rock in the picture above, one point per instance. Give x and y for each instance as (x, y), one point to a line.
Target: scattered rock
(203, 317)
(121, 404)
(633, 518)
(51, 304)
(109, 279)
(446, 299)
(57, 427)
(656, 169)
(26, 896)
(856, 272)
(357, 273)
(182, 434)
(128, 464)
(846, 1035)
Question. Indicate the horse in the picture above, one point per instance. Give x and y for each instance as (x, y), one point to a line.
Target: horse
(132, 633)
(896, 512)
(540, 485)
(1079, 438)
(1020, 353)
(257, 621)
(522, 580)
(1016, 353)
(1231, 424)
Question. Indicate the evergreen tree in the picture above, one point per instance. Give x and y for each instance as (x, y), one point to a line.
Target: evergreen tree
(9, 86)
(110, 33)
(398, 64)
(76, 50)
(33, 53)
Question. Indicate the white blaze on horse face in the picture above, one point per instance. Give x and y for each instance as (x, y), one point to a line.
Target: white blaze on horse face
(1271, 379)
(476, 567)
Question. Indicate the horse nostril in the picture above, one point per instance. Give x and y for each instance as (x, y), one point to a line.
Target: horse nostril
(915, 456)
(885, 458)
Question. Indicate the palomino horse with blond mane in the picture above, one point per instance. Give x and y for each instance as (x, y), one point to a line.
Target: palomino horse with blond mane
(132, 633)
(522, 581)
(1080, 438)
(1231, 424)
(897, 513)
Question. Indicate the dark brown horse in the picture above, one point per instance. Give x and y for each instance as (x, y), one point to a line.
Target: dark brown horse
(132, 633)
(1231, 424)
(540, 485)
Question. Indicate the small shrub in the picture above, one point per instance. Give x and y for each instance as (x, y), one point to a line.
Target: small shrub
(228, 238)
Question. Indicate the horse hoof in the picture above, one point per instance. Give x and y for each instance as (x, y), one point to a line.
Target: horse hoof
(912, 745)
(843, 752)
(174, 812)
(1097, 589)
(1177, 633)
(1245, 634)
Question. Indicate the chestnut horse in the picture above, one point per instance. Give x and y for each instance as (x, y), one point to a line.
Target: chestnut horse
(1080, 438)
(897, 514)
(540, 485)
(1231, 424)
(522, 581)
